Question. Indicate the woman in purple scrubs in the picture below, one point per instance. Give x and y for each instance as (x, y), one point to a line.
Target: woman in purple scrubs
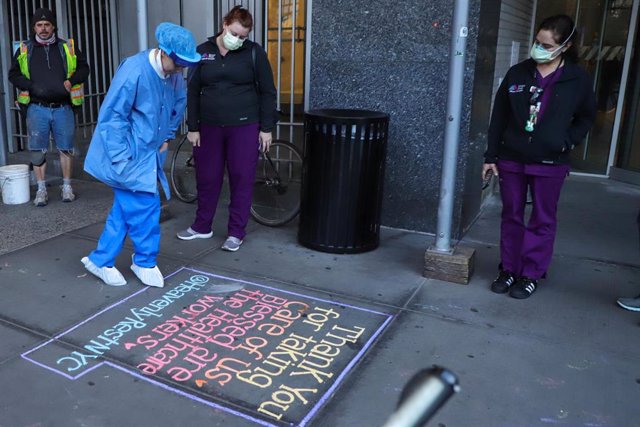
(543, 109)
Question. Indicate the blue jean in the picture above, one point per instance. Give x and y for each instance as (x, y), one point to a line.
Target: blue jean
(42, 121)
(136, 214)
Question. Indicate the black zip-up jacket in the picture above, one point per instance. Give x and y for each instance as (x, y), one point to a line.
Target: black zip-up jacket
(227, 90)
(46, 82)
(565, 122)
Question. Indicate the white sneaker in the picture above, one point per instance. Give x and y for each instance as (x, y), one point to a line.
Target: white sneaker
(150, 276)
(232, 244)
(109, 275)
(67, 194)
(190, 234)
(41, 199)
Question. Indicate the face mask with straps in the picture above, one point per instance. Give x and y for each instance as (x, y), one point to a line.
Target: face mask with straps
(542, 56)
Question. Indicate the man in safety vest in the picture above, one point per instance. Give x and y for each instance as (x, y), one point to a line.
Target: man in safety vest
(49, 73)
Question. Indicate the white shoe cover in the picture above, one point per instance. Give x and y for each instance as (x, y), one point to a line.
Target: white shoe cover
(109, 275)
(149, 276)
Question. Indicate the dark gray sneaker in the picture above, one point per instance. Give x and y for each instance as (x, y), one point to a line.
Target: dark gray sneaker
(503, 282)
(632, 304)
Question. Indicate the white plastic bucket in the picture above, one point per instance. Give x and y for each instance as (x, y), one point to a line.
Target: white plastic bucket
(14, 184)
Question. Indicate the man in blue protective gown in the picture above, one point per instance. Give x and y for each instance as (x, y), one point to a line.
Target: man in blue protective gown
(141, 112)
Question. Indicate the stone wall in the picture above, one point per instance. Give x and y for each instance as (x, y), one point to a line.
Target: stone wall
(393, 56)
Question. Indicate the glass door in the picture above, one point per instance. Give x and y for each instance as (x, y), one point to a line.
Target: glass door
(602, 54)
(629, 142)
(603, 28)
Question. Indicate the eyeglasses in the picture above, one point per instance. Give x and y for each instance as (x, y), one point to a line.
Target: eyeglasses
(535, 94)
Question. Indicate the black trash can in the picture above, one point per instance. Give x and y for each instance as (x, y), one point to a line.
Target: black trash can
(342, 177)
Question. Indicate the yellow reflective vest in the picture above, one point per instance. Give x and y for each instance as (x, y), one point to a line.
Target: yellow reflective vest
(68, 48)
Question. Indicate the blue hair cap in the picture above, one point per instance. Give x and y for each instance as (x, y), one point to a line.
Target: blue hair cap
(178, 43)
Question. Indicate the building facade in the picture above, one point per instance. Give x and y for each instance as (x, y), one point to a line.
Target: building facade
(384, 55)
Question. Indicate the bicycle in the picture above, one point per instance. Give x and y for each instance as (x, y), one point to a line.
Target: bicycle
(276, 192)
(183, 172)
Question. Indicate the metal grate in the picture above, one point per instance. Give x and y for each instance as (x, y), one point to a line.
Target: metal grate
(286, 37)
(256, 7)
(91, 23)
(279, 26)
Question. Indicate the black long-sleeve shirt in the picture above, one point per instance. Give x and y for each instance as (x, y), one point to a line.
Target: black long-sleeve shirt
(47, 73)
(228, 90)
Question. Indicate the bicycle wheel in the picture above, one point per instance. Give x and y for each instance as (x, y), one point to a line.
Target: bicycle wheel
(276, 193)
(183, 172)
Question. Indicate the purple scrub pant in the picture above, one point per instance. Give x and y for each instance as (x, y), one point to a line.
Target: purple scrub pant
(526, 249)
(233, 147)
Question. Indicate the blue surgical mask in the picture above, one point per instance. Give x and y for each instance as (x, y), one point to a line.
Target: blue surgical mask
(231, 42)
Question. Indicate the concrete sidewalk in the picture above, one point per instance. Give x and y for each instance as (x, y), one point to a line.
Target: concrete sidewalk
(566, 356)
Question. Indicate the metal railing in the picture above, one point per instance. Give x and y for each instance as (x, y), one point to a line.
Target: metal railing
(91, 23)
(279, 28)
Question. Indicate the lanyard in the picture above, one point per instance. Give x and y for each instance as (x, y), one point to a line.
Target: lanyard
(535, 101)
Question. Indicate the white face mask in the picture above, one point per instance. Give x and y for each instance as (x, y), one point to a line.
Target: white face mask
(231, 42)
(542, 55)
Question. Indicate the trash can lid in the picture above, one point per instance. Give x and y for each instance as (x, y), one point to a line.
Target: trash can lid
(346, 114)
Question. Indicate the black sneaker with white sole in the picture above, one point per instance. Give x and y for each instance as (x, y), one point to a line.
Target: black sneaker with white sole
(523, 288)
(503, 282)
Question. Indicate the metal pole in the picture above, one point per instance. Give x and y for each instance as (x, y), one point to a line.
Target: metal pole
(279, 69)
(112, 31)
(6, 123)
(624, 80)
(292, 78)
(452, 127)
(141, 9)
(307, 55)
(61, 16)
